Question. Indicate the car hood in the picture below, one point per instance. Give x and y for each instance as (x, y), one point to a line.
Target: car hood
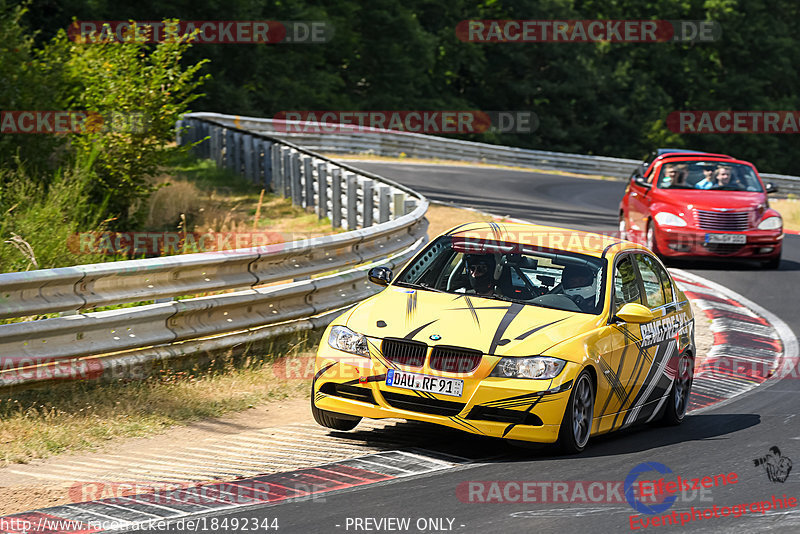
(491, 326)
(686, 199)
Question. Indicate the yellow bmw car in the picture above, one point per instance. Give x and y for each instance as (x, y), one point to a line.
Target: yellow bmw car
(515, 331)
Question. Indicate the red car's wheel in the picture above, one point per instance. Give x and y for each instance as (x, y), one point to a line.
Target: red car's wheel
(623, 227)
(651, 238)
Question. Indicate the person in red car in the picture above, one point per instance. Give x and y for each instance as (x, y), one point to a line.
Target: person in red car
(719, 178)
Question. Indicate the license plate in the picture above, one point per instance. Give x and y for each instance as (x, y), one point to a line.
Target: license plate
(430, 384)
(736, 239)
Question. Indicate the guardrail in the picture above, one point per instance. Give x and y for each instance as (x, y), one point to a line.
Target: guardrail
(323, 137)
(321, 276)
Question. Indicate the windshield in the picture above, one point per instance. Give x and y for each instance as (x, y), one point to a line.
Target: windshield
(510, 272)
(708, 175)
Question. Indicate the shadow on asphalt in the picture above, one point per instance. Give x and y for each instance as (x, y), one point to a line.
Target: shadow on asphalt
(454, 443)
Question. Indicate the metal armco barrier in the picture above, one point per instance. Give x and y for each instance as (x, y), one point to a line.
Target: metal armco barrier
(365, 140)
(320, 276)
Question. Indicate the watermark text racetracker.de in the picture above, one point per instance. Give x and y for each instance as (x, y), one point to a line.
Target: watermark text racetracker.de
(78, 122)
(588, 31)
(734, 122)
(563, 491)
(201, 31)
(438, 122)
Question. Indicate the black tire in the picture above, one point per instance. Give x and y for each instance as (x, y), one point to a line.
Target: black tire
(772, 263)
(650, 238)
(678, 399)
(577, 423)
(336, 421)
(623, 227)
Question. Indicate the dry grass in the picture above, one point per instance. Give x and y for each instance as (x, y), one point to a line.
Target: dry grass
(442, 217)
(789, 208)
(75, 417)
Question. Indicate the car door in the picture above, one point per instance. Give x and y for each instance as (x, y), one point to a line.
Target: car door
(621, 364)
(639, 203)
(659, 339)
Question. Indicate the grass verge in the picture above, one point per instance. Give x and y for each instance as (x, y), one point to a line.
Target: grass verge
(789, 208)
(71, 417)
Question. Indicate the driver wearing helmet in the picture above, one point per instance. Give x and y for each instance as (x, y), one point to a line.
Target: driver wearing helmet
(577, 282)
(480, 271)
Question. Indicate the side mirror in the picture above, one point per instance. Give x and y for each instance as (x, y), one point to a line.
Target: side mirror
(771, 188)
(635, 313)
(380, 275)
(640, 180)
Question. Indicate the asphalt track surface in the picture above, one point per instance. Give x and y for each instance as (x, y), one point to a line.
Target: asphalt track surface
(723, 439)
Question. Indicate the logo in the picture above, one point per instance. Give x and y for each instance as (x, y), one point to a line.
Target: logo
(777, 466)
(436, 337)
(630, 485)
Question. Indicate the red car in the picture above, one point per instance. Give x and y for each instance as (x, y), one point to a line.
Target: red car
(681, 203)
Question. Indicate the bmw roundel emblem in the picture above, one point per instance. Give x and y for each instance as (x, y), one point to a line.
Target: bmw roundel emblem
(436, 337)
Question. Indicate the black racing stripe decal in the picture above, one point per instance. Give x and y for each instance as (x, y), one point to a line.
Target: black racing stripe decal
(642, 358)
(458, 420)
(322, 371)
(536, 329)
(512, 425)
(605, 250)
(416, 331)
(454, 230)
(378, 355)
(511, 314)
(603, 364)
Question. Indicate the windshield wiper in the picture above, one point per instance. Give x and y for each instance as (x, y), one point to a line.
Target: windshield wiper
(681, 186)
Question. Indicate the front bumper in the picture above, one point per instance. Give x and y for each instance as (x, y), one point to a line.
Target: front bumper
(520, 409)
(685, 242)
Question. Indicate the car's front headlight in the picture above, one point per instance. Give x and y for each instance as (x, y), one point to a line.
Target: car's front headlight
(537, 367)
(669, 219)
(771, 223)
(342, 338)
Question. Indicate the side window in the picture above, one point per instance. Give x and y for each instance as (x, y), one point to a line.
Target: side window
(651, 280)
(666, 283)
(626, 286)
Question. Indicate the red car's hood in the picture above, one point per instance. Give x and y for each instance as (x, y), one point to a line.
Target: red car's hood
(687, 199)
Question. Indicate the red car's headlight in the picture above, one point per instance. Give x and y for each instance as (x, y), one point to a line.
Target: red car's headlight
(665, 218)
(771, 223)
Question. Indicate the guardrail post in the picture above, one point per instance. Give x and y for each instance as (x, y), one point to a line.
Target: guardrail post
(237, 152)
(368, 204)
(296, 191)
(180, 137)
(287, 171)
(206, 144)
(277, 168)
(352, 202)
(322, 190)
(399, 207)
(266, 163)
(308, 176)
(216, 145)
(247, 153)
(229, 149)
(336, 198)
(384, 198)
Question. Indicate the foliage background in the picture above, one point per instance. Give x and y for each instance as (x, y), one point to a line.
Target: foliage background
(608, 99)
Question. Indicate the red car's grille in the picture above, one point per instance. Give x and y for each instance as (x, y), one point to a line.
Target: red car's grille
(404, 352)
(455, 359)
(723, 221)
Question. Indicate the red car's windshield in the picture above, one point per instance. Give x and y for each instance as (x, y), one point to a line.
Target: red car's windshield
(708, 175)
